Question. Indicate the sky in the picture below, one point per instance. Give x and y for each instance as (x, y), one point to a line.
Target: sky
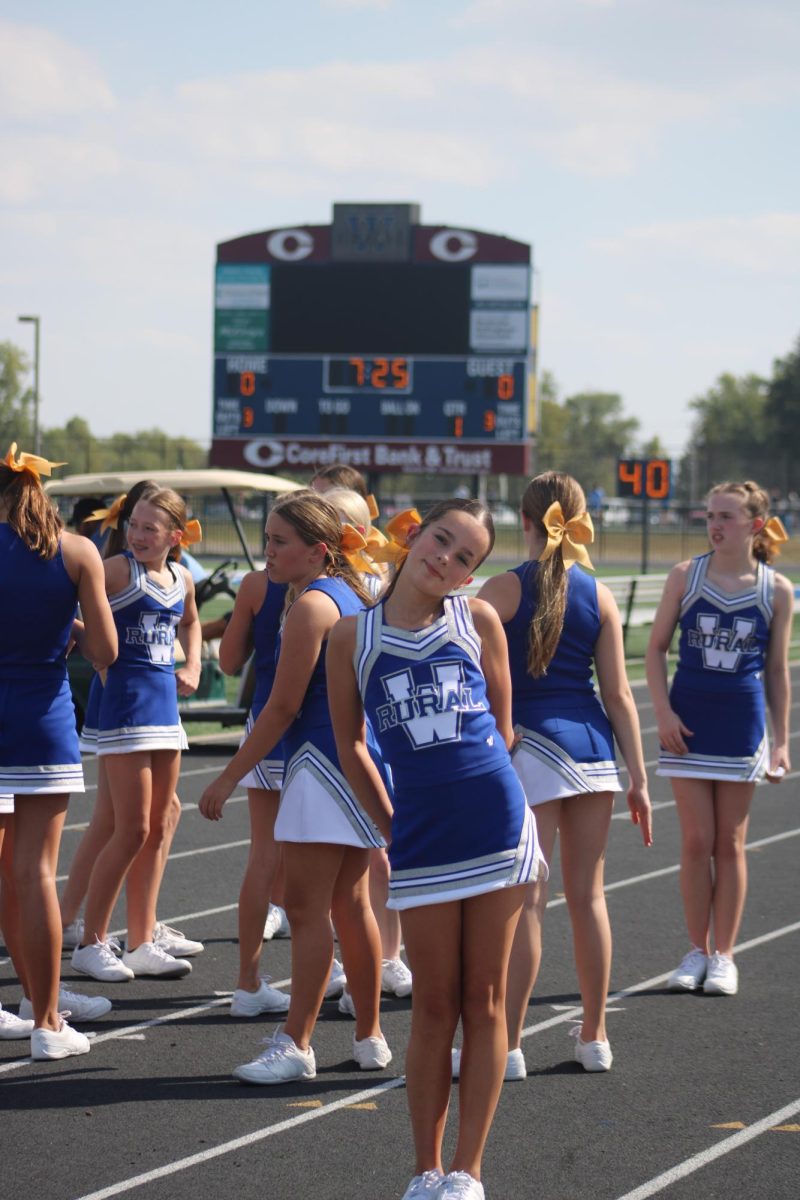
(646, 149)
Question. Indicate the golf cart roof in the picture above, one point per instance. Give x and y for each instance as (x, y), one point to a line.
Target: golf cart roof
(112, 483)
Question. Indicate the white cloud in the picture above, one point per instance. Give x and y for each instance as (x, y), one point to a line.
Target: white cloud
(43, 76)
(765, 244)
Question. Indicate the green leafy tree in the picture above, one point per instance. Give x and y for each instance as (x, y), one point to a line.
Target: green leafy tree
(16, 399)
(729, 437)
(782, 418)
(585, 435)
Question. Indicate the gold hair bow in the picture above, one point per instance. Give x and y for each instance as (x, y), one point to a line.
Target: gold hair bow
(109, 516)
(192, 533)
(396, 548)
(372, 505)
(572, 536)
(352, 546)
(776, 532)
(32, 463)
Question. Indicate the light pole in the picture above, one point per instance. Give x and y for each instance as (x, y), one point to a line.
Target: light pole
(35, 322)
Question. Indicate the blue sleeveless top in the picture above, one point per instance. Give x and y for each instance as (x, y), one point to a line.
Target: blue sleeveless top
(425, 695)
(724, 636)
(38, 603)
(266, 638)
(313, 722)
(146, 616)
(570, 669)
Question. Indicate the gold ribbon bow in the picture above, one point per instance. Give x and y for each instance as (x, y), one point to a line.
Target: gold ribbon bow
(572, 536)
(352, 546)
(109, 516)
(395, 548)
(372, 505)
(776, 532)
(32, 463)
(192, 533)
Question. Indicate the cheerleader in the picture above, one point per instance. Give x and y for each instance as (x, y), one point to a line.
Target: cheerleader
(561, 625)
(325, 833)
(430, 671)
(140, 735)
(44, 574)
(735, 619)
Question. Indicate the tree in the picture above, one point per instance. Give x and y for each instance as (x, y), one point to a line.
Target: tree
(584, 436)
(782, 417)
(729, 437)
(16, 401)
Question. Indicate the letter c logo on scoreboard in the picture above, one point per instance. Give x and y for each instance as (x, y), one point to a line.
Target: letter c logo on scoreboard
(290, 245)
(454, 245)
(263, 454)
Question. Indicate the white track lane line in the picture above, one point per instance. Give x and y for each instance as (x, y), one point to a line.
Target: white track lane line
(704, 1157)
(182, 1164)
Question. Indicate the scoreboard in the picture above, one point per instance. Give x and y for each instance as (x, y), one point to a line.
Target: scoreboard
(377, 341)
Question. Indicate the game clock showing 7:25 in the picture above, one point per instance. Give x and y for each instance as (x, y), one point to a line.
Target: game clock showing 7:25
(644, 478)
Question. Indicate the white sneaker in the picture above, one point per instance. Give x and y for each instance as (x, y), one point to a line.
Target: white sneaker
(73, 1004)
(150, 959)
(174, 942)
(515, 1065)
(593, 1056)
(281, 1062)
(276, 924)
(100, 962)
(60, 1043)
(72, 935)
(458, 1185)
(336, 981)
(371, 1054)
(12, 1027)
(346, 1006)
(424, 1186)
(266, 1000)
(395, 977)
(690, 972)
(722, 977)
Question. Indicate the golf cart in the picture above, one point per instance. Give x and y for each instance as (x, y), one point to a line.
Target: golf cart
(231, 489)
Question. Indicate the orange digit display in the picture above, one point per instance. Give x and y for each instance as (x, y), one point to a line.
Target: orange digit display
(248, 416)
(489, 421)
(399, 373)
(379, 373)
(358, 363)
(505, 387)
(247, 383)
(657, 478)
(629, 477)
(458, 426)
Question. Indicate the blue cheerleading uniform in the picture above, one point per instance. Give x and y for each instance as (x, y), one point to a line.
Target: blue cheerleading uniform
(267, 774)
(567, 745)
(718, 687)
(139, 705)
(38, 737)
(461, 825)
(317, 802)
(91, 718)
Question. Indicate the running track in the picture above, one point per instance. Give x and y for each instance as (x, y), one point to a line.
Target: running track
(703, 1099)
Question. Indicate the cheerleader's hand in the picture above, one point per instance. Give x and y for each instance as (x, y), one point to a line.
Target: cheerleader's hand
(779, 764)
(187, 679)
(671, 732)
(641, 811)
(214, 797)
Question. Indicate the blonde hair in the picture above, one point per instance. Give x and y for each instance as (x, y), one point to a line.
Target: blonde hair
(315, 520)
(756, 503)
(354, 507)
(167, 502)
(30, 512)
(547, 622)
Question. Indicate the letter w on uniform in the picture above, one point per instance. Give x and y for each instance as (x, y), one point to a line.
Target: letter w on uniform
(723, 648)
(428, 712)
